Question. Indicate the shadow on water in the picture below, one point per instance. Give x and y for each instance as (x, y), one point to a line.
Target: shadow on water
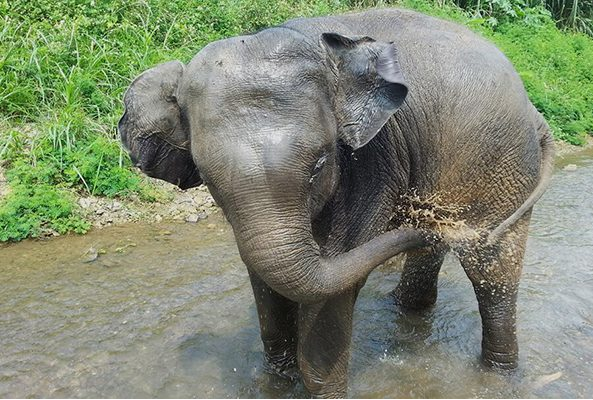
(167, 311)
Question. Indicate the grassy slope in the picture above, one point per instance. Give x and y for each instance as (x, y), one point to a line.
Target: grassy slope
(64, 66)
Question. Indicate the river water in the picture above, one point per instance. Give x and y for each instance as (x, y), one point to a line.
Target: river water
(166, 311)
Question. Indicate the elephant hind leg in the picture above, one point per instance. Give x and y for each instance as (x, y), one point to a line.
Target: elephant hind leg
(417, 288)
(494, 270)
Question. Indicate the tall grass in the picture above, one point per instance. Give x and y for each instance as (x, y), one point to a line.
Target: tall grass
(576, 15)
(64, 66)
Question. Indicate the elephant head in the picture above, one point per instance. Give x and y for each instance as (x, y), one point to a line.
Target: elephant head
(268, 114)
(154, 130)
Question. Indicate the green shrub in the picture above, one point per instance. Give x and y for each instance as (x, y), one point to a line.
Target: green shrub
(30, 211)
(94, 167)
(556, 71)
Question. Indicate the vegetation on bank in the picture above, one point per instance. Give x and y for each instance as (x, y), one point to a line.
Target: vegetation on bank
(64, 66)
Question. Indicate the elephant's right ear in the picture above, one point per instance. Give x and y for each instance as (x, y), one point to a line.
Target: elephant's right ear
(154, 130)
(370, 85)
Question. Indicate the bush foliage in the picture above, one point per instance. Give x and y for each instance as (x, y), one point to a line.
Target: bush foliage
(65, 64)
(29, 211)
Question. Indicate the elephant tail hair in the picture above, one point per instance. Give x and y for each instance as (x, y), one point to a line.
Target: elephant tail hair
(546, 169)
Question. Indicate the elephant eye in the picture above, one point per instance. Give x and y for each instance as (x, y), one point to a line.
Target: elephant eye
(318, 167)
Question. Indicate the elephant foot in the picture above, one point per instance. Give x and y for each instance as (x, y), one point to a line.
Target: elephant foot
(283, 365)
(328, 393)
(499, 361)
(324, 388)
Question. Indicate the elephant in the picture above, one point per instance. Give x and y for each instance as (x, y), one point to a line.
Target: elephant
(334, 143)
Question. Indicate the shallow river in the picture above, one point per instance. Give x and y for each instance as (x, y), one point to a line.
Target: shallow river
(166, 311)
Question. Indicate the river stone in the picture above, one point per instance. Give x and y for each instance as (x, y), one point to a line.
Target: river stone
(90, 255)
(85, 203)
(193, 218)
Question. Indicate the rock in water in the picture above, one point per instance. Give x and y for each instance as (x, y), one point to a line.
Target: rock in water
(90, 255)
(570, 167)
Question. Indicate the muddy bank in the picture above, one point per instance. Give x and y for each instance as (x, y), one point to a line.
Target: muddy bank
(565, 150)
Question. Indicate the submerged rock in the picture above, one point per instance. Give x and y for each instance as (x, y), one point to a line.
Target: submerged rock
(547, 379)
(90, 255)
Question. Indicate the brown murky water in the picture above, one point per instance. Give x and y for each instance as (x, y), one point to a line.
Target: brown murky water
(166, 311)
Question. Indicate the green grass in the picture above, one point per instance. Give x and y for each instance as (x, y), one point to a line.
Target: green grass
(65, 64)
(556, 69)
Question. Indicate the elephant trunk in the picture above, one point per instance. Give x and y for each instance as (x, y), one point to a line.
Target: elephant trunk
(284, 254)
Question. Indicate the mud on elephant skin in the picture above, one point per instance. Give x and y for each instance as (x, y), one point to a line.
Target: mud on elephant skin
(312, 135)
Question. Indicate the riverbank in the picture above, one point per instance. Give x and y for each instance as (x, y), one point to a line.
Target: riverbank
(173, 204)
(565, 150)
(196, 204)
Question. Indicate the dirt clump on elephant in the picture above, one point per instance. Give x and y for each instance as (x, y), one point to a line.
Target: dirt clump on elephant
(433, 215)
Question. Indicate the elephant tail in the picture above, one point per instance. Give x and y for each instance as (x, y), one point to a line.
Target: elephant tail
(546, 169)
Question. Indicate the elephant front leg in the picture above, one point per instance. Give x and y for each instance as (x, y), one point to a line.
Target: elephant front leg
(278, 325)
(325, 331)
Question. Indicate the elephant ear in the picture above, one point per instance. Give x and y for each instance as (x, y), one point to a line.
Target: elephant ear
(370, 85)
(154, 130)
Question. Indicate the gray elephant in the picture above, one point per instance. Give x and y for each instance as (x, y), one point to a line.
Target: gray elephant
(334, 143)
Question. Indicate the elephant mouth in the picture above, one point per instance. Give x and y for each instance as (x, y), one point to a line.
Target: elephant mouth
(193, 180)
(159, 159)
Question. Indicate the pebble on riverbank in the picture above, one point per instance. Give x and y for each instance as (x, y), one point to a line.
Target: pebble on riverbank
(191, 206)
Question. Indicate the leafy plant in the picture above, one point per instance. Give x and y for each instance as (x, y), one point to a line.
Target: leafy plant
(31, 211)
(555, 68)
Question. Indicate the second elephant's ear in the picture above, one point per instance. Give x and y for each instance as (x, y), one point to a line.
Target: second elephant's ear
(370, 85)
(154, 130)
